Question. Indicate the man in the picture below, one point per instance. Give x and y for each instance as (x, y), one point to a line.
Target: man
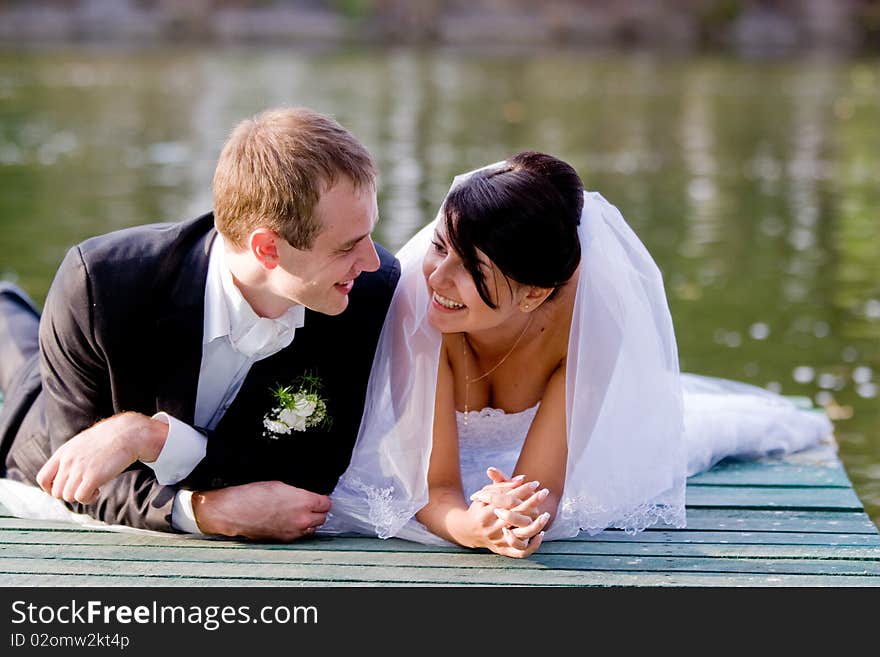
(164, 349)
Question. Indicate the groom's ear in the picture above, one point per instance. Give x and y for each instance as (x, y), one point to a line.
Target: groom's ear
(263, 244)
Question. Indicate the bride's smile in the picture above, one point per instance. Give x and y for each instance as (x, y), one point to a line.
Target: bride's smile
(446, 303)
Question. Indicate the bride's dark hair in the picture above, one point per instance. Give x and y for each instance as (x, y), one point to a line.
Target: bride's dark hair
(524, 216)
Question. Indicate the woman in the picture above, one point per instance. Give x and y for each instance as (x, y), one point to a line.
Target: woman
(530, 335)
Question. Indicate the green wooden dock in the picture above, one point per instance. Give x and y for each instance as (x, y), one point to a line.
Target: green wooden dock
(792, 522)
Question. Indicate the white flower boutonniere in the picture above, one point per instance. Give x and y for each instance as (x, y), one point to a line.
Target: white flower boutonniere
(298, 407)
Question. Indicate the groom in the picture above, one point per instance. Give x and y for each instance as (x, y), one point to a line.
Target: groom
(166, 351)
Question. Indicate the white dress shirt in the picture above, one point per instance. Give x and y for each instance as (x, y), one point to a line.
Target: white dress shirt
(234, 338)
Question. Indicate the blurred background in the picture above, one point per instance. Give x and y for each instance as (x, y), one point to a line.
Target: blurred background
(739, 138)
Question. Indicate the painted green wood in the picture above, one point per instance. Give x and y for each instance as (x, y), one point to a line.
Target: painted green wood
(332, 552)
(597, 579)
(737, 537)
(773, 497)
(853, 522)
(21, 537)
(30, 537)
(538, 570)
(708, 519)
(751, 473)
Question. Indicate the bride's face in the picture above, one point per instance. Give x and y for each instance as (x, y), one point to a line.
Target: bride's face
(455, 304)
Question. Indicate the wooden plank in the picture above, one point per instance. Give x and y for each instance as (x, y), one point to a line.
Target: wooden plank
(98, 537)
(854, 522)
(568, 553)
(334, 554)
(738, 537)
(27, 537)
(722, 550)
(843, 499)
(12, 522)
(539, 570)
(754, 473)
(393, 545)
(749, 525)
(596, 579)
(698, 519)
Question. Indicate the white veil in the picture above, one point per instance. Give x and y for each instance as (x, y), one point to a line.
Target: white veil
(626, 460)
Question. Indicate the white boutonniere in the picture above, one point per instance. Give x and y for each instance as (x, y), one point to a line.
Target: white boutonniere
(297, 407)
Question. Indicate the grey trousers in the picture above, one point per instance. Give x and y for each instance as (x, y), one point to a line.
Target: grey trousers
(19, 362)
(19, 326)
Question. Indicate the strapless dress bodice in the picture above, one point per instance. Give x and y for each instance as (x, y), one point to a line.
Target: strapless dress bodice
(490, 437)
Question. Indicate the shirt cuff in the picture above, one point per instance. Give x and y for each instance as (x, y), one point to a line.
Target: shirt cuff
(183, 450)
(183, 519)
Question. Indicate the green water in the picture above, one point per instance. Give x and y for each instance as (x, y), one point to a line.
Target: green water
(755, 183)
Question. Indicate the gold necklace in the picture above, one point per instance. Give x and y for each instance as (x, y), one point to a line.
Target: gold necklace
(468, 380)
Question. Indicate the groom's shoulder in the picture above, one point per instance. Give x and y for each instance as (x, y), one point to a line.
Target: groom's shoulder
(145, 240)
(136, 259)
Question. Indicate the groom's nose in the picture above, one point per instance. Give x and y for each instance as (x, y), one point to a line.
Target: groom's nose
(369, 260)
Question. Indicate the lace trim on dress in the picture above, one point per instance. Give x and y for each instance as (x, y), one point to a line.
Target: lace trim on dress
(582, 515)
(483, 413)
(573, 512)
(380, 502)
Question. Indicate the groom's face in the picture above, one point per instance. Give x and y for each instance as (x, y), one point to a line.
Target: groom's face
(322, 277)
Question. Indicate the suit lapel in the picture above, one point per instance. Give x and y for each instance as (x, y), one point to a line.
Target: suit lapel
(179, 335)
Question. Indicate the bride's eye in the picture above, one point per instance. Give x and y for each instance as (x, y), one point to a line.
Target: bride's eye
(438, 247)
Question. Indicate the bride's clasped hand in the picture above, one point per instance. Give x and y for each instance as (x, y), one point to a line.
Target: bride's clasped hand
(514, 523)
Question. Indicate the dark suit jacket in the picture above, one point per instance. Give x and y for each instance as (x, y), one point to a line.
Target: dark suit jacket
(122, 331)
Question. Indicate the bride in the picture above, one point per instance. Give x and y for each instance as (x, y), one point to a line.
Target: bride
(530, 335)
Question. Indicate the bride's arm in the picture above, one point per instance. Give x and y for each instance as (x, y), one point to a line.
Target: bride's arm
(544, 454)
(447, 514)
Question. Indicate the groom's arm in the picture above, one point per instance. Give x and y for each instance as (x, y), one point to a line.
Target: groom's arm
(78, 394)
(80, 467)
(261, 510)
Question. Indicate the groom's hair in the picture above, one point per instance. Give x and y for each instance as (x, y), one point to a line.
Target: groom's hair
(274, 168)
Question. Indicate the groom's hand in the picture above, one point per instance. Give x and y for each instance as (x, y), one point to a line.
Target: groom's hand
(263, 510)
(78, 469)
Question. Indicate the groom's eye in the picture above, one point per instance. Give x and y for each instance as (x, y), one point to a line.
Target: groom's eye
(348, 248)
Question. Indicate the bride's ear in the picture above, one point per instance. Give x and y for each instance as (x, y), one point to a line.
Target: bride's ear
(534, 297)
